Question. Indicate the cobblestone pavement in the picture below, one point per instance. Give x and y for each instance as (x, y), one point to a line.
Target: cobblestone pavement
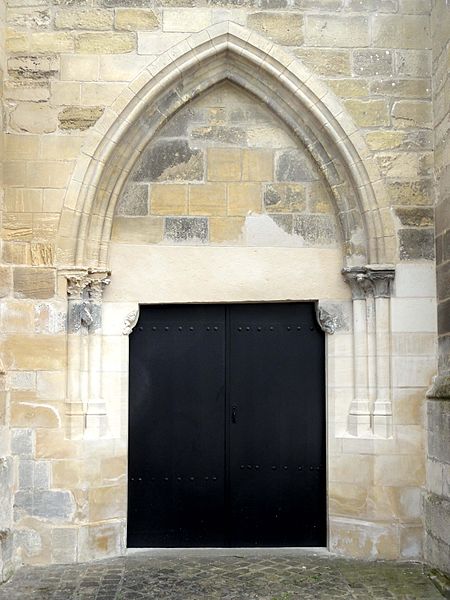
(238, 575)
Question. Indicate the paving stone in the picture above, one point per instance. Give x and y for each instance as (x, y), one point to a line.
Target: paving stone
(236, 575)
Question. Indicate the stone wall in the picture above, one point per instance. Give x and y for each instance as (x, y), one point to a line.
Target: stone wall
(437, 502)
(68, 63)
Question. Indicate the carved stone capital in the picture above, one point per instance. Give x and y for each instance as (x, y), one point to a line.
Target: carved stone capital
(97, 281)
(130, 321)
(381, 277)
(76, 284)
(369, 279)
(357, 280)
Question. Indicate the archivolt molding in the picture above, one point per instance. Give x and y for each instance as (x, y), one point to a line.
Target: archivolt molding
(225, 51)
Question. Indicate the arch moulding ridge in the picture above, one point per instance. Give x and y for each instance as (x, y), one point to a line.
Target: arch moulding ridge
(112, 147)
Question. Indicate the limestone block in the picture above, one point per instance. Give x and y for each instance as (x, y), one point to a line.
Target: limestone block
(224, 164)
(207, 199)
(79, 118)
(59, 148)
(16, 41)
(33, 282)
(29, 17)
(5, 281)
(114, 468)
(17, 253)
(351, 468)
(282, 198)
(225, 229)
(283, 28)
(51, 443)
(34, 474)
(409, 113)
(155, 43)
(138, 230)
(91, 19)
(405, 164)
(23, 199)
(369, 113)
(17, 317)
(319, 200)
(64, 544)
(186, 229)
(100, 93)
(399, 140)
(220, 134)
(415, 7)
(419, 344)
(17, 226)
(53, 200)
(68, 474)
(186, 19)
(347, 499)
(47, 504)
(323, 61)
(333, 31)
(398, 470)
(417, 88)
(30, 117)
(372, 62)
(413, 315)
(411, 542)
(244, 198)
(21, 146)
(51, 385)
(257, 165)
(105, 43)
(135, 19)
(34, 67)
(27, 352)
(51, 42)
(116, 67)
(19, 90)
(349, 88)
(409, 406)
(168, 199)
(107, 502)
(294, 165)
(413, 63)
(169, 160)
(401, 31)
(79, 68)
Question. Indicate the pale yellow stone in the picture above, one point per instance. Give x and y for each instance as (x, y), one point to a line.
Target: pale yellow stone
(244, 198)
(17, 226)
(136, 19)
(410, 113)
(398, 470)
(406, 165)
(225, 229)
(23, 200)
(13, 91)
(21, 146)
(168, 199)
(60, 148)
(105, 43)
(342, 32)
(117, 67)
(107, 502)
(52, 443)
(323, 61)
(100, 93)
(224, 164)
(51, 42)
(17, 316)
(31, 282)
(92, 19)
(347, 499)
(68, 474)
(351, 468)
(53, 200)
(79, 68)
(114, 468)
(17, 253)
(28, 352)
(34, 415)
(207, 199)
(283, 28)
(65, 93)
(14, 173)
(418, 88)
(138, 230)
(385, 139)
(369, 113)
(349, 88)
(16, 41)
(186, 19)
(42, 254)
(401, 31)
(257, 165)
(33, 117)
(45, 225)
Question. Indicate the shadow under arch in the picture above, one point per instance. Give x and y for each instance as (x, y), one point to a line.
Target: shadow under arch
(225, 52)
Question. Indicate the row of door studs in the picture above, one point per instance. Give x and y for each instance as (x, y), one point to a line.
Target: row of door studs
(215, 328)
(214, 478)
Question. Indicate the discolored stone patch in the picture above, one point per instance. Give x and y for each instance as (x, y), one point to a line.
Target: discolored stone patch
(229, 575)
(170, 160)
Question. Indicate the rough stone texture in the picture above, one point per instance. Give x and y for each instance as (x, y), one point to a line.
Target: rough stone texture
(245, 575)
(75, 118)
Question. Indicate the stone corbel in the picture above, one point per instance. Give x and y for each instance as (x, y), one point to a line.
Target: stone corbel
(327, 322)
(130, 321)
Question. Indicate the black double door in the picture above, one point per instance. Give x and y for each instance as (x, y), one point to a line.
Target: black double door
(227, 427)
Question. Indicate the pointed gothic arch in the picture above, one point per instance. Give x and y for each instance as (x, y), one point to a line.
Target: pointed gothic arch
(304, 103)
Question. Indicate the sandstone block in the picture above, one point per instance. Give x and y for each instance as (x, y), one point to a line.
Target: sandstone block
(411, 192)
(26, 352)
(29, 17)
(186, 229)
(79, 68)
(92, 19)
(410, 113)
(369, 113)
(23, 199)
(405, 164)
(383, 6)
(33, 282)
(333, 31)
(244, 198)
(80, 118)
(105, 43)
(33, 67)
(117, 67)
(33, 415)
(107, 502)
(282, 198)
(225, 229)
(17, 226)
(17, 253)
(415, 216)
(417, 88)
(413, 63)
(22, 92)
(257, 165)
(5, 281)
(401, 31)
(186, 19)
(330, 63)
(56, 42)
(21, 147)
(138, 230)
(207, 199)
(64, 544)
(169, 160)
(30, 117)
(368, 63)
(283, 28)
(349, 88)
(168, 199)
(95, 94)
(16, 41)
(134, 19)
(42, 254)
(224, 164)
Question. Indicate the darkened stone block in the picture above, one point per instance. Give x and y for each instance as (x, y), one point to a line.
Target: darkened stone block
(443, 281)
(444, 317)
(439, 430)
(46, 504)
(416, 244)
(280, 197)
(220, 134)
(416, 216)
(134, 201)
(132, 3)
(283, 221)
(444, 355)
(185, 229)
(316, 230)
(293, 165)
(169, 160)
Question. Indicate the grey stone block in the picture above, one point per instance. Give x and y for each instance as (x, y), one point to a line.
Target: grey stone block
(283, 221)
(368, 63)
(416, 244)
(22, 441)
(169, 160)
(316, 230)
(186, 229)
(46, 504)
(134, 201)
(293, 165)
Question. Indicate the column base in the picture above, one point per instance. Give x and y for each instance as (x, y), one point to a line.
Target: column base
(95, 420)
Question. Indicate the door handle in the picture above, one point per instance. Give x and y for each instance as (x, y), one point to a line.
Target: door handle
(234, 414)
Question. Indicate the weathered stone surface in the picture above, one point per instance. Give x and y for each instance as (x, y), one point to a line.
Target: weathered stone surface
(186, 229)
(324, 61)
(138, 230)
(220, 134)
(244, 198)
(169, 160)
(32, 117)
(349, 88)
(46, 504)
(281, 198)
(413, 63)
(224, 164)
(136, 19)
(51, 42)
(409, 113)
(81, 118)
(105, 43)
(283, 28)
(5, 281)
(401, 31)
(42, 254)
(411, 192)
(385, 139)
(17, 226)
(33, 282)
(367, 63)
(91, 19)
(257, 165)
(34, 474)
(133, 201)
(294, 166)
(33, 67)
(208, 199)
(416, 244)
(171, 199)
(331, 31)
(22, 442)
(369, 113)
(316, 230)
(415, 217)
(417, 88)
(29, 17)
(225, 229)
